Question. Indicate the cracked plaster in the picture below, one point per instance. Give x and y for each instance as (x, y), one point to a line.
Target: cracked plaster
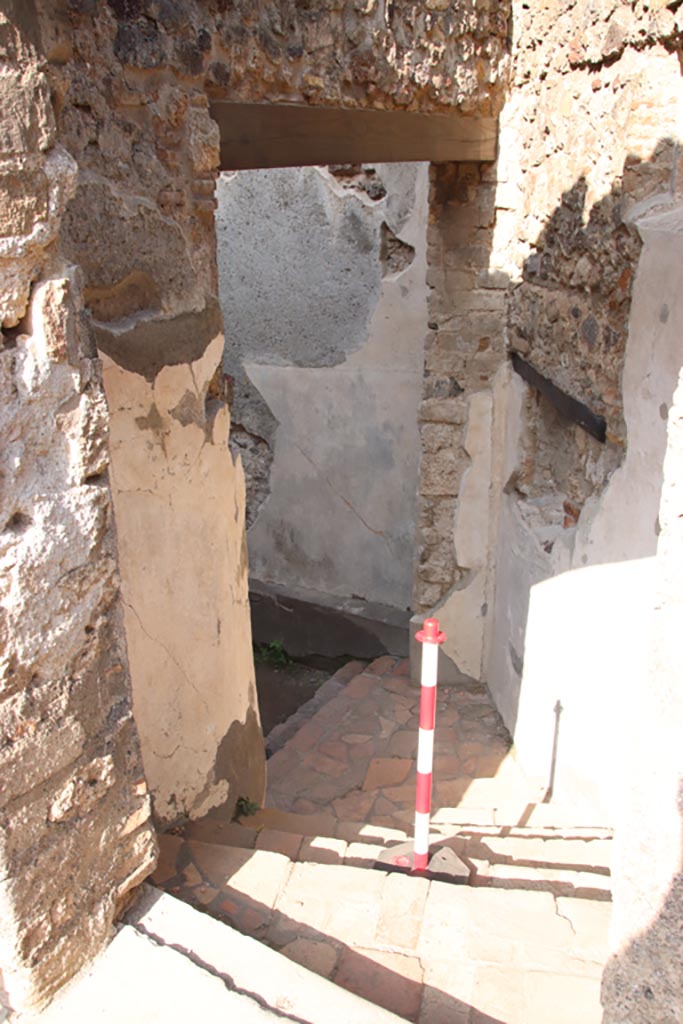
(189, 629)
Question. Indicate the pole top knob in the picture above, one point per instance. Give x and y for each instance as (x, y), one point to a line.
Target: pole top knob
(430, 633)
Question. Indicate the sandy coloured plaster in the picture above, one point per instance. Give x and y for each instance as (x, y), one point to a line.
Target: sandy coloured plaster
(179, 501)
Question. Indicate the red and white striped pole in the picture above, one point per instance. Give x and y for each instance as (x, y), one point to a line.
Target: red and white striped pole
(430, 637)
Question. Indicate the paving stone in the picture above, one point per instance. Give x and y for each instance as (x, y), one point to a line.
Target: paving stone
(287, 988)
(401, 685)
(275, 841)
(402, 907)
(590, 921)
(383, 807)
(319, 957)
(446, 767)
(403, 743)
(202, 895)
(401, 794)
(499, 994)
(353, 805)
(562, 999)
(451, 792)
(386, 771)
(528, 921)
(323, 850)
(360, 687)
(446, 913)
(339, 901)
(335, 749)
(248, 876)
(305, 739)
(448, 989)
(388, 979)
(479, 947)
(308, 807)
(324, 765)
(381, 666)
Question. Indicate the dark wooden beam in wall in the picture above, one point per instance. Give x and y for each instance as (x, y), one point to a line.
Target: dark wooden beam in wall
(257, 135)
(571, 408)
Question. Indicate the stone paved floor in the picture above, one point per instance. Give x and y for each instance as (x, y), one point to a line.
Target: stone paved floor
(430, 951)
(523, 943)
(355, 758)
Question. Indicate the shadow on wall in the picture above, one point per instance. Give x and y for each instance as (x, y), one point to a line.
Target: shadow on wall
(577, 523)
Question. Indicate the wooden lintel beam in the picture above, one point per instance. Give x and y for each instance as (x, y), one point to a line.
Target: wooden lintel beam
(257, 135)
(571, 408)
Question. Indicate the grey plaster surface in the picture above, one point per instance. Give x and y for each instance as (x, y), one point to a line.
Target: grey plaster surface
(299, 274)
(327, 350)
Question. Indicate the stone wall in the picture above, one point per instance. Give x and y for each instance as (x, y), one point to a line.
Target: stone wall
(106, 210)
(324, 297)
(537, 254)
(140, 226)
(75, 835)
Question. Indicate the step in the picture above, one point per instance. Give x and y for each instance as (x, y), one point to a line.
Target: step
(276, 982)
(564, 862)
(426, 950)
(561, 867)
(182, 966)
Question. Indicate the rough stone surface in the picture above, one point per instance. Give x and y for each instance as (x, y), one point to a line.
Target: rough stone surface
(107, 162)
(75, 835)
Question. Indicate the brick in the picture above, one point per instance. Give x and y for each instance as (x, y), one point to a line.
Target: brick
(169, 851)
(323, 850)
(276, 841)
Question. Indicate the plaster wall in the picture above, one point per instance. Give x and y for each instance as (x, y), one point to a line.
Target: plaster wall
(536, 658)
(200, 731)
(324, 339)
(642, 981)
(538, 254)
